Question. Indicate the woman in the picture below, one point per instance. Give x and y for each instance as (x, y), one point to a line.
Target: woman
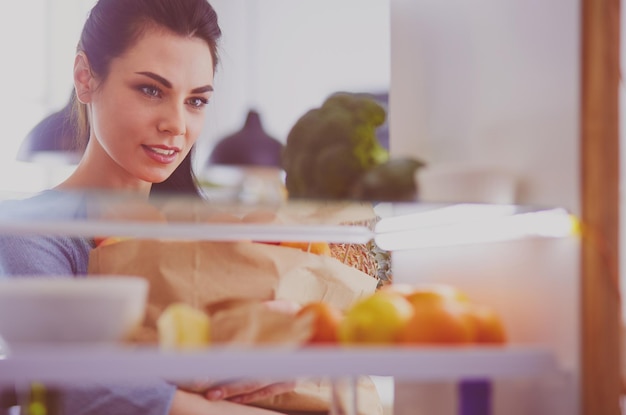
(143, 75)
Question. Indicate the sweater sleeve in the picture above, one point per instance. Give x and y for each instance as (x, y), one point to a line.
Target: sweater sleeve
(66, 257)
(95, 399)
(43, 255)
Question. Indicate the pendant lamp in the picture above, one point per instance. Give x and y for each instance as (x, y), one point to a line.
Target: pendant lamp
(52, 138)
(250, 146)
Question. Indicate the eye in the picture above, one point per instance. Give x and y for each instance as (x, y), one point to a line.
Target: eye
(197, 102)
(150, 90)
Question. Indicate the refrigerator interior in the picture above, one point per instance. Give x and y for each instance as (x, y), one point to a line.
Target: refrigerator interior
(487, 93)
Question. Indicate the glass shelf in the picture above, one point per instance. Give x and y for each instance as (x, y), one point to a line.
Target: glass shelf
(66, 364)
(393, 226)
(192, 231)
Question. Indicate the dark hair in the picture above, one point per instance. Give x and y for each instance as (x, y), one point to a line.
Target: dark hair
(113, 26)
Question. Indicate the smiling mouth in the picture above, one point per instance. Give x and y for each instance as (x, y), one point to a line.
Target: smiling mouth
(162, 151)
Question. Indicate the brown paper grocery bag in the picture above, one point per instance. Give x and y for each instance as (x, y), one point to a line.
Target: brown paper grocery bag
(220, 276)
(313, 396)
(251, 322)
(201, 273)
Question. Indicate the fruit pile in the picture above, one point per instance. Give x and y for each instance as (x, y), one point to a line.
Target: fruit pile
(434, 314)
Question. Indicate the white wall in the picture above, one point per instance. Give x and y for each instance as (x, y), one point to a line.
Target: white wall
(37, 42)
(22, 70)
(283, 57)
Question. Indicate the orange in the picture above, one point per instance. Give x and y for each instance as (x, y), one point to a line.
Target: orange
(437, 321)
(435, 291)
(376, 319)
(326, 320)
(109, 240)
(488, 326)
(99, 240)
(318, 248)
(443, 314)
(398, 288)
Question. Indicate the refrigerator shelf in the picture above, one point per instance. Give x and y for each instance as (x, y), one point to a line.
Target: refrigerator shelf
(67, 364)
(392, 226)
(191, 231)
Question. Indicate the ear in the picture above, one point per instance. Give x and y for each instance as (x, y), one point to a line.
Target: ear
(84, 81)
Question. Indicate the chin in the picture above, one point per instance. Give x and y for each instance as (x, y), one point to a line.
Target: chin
(156, 178)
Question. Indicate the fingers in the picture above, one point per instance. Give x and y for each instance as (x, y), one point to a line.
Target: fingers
(265, 393)
(248, 391)
(234, 388)
(196, 385)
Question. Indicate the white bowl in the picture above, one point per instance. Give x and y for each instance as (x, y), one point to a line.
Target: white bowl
(70, 310)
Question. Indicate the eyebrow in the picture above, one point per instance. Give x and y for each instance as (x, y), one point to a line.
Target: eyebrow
(168, 84)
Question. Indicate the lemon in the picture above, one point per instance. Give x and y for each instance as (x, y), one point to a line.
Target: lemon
(183, 327)
(377, 319)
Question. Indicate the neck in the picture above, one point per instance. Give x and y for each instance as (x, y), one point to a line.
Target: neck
(97, 171)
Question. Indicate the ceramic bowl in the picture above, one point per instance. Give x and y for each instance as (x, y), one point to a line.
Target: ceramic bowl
(102, 309)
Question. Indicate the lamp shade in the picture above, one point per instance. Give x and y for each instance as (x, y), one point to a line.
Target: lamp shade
(54, 135)
(250, 146)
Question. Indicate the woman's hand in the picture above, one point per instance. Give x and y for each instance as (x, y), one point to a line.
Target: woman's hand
(247, 391)
(238, 391)
(187, 403)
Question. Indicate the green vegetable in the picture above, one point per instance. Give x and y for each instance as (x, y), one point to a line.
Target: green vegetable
(330, 147)
(391, 181)
(332, 152)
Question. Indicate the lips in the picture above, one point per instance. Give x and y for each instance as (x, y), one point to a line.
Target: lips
(162, 151)
(161, 154)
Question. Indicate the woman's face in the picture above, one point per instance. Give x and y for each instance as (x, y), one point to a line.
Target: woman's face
(149, 111)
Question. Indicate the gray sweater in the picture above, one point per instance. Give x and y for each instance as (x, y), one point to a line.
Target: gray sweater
(57, 256)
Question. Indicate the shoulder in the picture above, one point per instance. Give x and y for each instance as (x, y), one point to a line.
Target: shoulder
(43, 255)
(24, 254)
(50, 204)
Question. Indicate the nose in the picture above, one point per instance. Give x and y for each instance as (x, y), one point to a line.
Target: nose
(172, 120)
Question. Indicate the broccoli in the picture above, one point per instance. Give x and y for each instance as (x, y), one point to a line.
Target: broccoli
(390, 181)
(332, 152)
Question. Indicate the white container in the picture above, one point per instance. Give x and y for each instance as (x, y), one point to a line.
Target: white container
(44, 310)
(467, 183)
